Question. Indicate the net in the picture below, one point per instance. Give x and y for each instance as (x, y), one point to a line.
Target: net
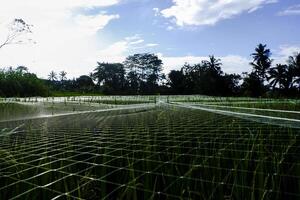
(162, 152)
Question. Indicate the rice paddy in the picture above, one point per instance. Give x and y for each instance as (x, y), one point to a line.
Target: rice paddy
(149, 147)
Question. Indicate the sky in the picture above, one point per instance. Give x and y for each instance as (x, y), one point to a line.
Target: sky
(73, 35)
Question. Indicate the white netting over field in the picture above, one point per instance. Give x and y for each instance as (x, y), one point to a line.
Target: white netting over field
(147, 152)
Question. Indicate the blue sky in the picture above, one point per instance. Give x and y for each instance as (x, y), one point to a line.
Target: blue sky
(73, 37)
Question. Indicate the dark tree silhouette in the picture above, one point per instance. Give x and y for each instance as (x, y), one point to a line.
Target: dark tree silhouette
(294, 64)
(230, 85)
(177, 81)
(252, 85)
(85, 83)
(261, 61)
(205, 78)
(110, 76)
(52, 76)
(144, 72)
(213, 64)
(281, 76)
(62, 76)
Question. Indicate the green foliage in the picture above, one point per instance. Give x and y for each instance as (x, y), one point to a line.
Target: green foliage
(253, 85)
(261, 61)
(294, 65)
(85, 83)
(281, 75)
(144, 73)
(205, 78)
(110, 76)
(17, 82)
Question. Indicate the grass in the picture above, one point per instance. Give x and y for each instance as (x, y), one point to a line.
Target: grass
(161, 152)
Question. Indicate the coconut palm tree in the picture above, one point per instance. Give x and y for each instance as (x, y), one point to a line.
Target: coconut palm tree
(52, 76)
(280, 75)
(62, 76)
(261, 61)
(213, 63)
(294, 64)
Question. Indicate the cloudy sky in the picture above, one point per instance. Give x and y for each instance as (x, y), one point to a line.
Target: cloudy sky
(72, 35)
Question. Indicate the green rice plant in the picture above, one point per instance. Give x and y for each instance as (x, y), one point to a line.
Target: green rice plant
(162, 151)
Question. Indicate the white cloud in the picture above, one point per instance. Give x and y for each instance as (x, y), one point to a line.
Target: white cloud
(151, 45)
(65, 36)
(118, 51)
(170, 28)
(293, 10)
(115, 52)
(284, 52)
(209, 12)
(132, 38)
(137, 41)
(287, 50)
(92, 24)
(156, 12)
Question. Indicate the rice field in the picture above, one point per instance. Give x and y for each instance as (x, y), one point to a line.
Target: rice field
(149, 147)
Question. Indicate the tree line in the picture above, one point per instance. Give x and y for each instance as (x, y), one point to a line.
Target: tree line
(207, 77)
(20, 82)
(142, 74)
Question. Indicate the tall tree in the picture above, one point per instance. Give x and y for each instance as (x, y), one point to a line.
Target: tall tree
(177, 81)
(211, 77)
(280, 76)
(229, 85)
(62, 76)
(253, 85)
(85, 83)
(110, 76)
(52, 76)
(214, 64)
(261, 61)
(294, 64)
(145, 70)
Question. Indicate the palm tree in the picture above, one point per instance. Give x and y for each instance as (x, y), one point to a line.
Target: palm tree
(213, 63)
(261, 61)
(52, 76)
(280, 75)
(62, 76)
(294, 64)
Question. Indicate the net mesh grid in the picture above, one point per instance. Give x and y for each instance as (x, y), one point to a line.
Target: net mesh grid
(152, 154)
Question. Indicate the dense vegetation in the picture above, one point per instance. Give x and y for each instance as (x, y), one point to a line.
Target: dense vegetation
(19, 82)
(142, 74)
